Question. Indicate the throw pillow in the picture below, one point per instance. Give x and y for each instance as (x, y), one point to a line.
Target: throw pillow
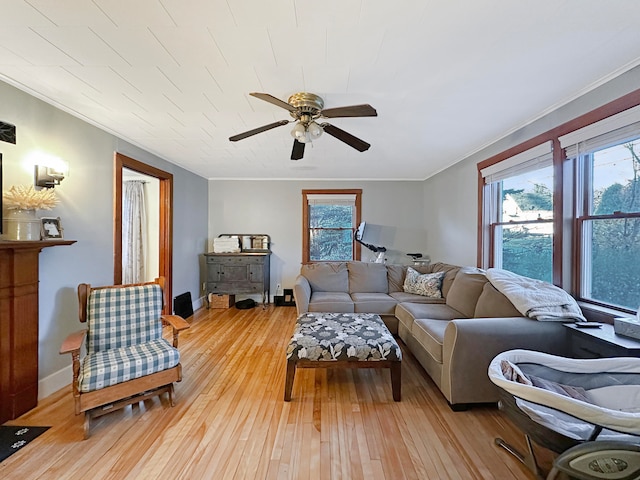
(428, 284)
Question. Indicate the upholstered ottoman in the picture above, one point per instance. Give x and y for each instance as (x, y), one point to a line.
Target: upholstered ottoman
(342, 340)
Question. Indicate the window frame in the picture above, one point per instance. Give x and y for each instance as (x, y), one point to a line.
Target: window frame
(585, 219)
(531, 161)
(306, 254)
(566, 245)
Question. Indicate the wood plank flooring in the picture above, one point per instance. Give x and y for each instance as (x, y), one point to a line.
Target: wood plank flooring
(230, 420)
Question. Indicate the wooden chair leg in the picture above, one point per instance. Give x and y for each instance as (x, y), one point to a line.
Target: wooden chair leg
(171, 399)
(396, 383)
(288, 385)
(87, 423)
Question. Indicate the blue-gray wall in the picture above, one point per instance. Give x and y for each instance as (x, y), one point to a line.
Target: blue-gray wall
(86, 212)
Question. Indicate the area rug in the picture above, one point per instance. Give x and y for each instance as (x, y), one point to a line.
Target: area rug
(13, 438)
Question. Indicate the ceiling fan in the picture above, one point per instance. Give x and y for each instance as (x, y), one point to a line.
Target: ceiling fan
(306, 108)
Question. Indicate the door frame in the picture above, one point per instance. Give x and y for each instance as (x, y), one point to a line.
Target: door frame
(165, 266)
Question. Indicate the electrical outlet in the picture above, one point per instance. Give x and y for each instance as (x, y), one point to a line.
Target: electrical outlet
(204, 286)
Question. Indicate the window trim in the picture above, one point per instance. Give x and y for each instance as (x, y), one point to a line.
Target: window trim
(306, 258)
(566, 256)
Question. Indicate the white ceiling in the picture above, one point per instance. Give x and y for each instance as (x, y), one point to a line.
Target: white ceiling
(447, 77)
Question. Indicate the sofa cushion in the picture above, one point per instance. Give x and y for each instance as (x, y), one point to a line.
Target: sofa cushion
(337, 302)
(367, 277)
(465, 290)
(395, 277)
(326, 276)
(402, 297)
(379, 303)
(430, 334)
(450, 272)
(492, 304)
(427, 284)
(407, 313)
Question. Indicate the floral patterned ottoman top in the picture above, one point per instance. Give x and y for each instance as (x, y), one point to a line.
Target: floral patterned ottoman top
(342, 336)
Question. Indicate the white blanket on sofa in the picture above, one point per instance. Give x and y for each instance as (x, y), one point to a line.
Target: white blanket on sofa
(535, 298)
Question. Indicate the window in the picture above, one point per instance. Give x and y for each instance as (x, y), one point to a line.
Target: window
(520, 230)
(567, 210)
(330, 218)
(608, 213)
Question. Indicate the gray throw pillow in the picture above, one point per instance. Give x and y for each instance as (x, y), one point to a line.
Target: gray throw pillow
(428, 284)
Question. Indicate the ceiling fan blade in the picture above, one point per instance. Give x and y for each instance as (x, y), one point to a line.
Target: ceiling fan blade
(298, 150)
(346, 137)
(271, 99)
(364, 110)
(255, 131)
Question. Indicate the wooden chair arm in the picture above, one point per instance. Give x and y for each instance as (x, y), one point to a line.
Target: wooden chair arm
(73, 342)
(178, 323)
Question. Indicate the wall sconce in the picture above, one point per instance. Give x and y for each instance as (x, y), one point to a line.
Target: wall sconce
(48, 177)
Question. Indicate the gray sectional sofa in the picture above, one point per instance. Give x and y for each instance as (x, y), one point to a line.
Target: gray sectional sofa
(454, 337)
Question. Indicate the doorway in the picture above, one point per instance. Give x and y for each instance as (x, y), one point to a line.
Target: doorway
(164, 215)
(140, 227)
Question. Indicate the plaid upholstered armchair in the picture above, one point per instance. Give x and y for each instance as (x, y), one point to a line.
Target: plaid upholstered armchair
(127, 359)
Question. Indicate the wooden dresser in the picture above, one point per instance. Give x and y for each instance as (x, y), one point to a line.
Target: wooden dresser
(234, 273)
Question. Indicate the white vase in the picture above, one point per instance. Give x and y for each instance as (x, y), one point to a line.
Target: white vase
(22, 225)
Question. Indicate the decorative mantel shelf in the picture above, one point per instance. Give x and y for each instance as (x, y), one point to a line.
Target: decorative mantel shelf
(31, 244)
(19, 325)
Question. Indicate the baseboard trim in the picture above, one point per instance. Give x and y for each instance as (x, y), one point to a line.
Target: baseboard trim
(54, 382)
(199, 303)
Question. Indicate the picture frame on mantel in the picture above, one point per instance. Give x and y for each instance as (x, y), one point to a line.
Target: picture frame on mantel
(51, 228)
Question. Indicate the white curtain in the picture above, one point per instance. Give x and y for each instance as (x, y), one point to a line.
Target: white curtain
(134, 232)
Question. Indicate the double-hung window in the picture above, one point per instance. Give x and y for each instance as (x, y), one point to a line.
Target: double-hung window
(518, 195)
(581, 229)
(607, 165)
(330, 218)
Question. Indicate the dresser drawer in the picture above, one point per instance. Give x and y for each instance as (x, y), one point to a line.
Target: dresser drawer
(234, 287)
(588, 348)
(235, 260)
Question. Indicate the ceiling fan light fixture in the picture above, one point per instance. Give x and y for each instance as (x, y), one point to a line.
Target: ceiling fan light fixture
(301, 134)
(315, 130)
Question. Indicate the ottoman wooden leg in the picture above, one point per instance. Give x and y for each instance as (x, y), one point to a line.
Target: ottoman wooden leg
(288, 384)
(396, 376)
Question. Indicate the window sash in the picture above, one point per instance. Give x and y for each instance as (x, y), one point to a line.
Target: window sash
(310, 198)
(535, 158)
(596, 133)
(538, 243)
(588, 262)
(606, 140)
(328, 199)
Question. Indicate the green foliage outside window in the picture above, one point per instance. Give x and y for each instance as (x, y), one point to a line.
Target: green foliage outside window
(331, 232)
(615, 262)
(527, 253)
(540, 199)
(615, 243)
(527, 241)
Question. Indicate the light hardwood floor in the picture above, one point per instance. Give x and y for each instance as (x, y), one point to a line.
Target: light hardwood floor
(230, 420)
